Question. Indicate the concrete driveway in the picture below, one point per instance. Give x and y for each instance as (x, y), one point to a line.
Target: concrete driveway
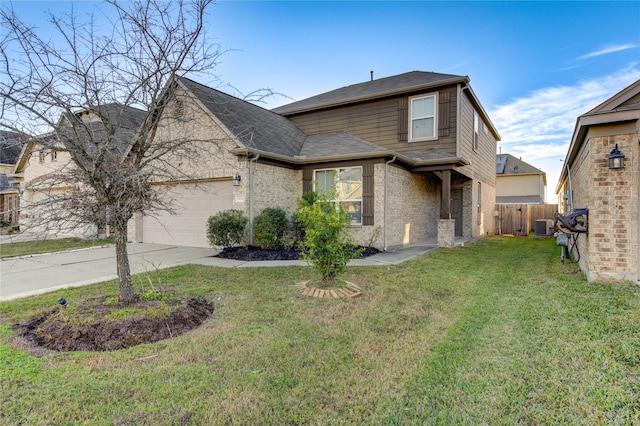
(20, 277)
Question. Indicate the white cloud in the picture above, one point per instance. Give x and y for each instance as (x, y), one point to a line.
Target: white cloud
(538, 127)
(607, 50)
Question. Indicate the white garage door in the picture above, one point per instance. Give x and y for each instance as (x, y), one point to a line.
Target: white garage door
(193, 206)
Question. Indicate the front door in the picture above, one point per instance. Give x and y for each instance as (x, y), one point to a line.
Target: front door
(456, 209)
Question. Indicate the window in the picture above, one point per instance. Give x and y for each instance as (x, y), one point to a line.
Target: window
(54, 155)
(422, 122)
(476, 123)
(347, 184)
(41, 156)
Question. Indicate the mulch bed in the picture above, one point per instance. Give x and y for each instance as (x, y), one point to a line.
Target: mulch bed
(92, 327)
(251, 253)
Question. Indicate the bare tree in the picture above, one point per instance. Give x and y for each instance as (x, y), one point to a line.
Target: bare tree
(97, 96)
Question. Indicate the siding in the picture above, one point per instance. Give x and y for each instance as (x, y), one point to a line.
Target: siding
(380, 122)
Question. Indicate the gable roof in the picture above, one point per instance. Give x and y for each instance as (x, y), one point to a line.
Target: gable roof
(622, 107)
(255, 127)
(378, 88)
(270, 134)
(507, 164)
(10, 146)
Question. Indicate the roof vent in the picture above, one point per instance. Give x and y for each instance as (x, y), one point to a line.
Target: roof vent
(371, 75)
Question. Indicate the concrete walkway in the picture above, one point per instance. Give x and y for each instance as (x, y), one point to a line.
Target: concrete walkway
(28, 275)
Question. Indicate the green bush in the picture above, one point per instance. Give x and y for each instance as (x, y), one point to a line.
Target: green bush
(297, 228)
(226, 228)
(327, 244)
(270, 228)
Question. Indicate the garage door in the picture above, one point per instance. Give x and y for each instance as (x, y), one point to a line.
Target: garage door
(193, 206)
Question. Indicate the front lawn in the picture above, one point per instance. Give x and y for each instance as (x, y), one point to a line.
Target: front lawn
(497, 332)
(47, 246)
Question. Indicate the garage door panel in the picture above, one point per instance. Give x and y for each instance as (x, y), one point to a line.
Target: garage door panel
(193, 205)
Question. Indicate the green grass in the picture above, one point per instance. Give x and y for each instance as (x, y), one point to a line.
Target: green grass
(47, 246)
(497, 332)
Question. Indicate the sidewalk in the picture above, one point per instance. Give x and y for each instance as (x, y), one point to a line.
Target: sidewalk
(28, 275)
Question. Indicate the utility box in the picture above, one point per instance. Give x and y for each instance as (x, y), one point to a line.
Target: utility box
(562, 239)
(543, 227)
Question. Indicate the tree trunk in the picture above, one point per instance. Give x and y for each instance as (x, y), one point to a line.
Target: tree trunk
(122, 260)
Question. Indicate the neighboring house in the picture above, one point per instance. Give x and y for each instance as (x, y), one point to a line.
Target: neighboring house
(412, 158)
(591, 179)
(518, 182)
(11, 144)
(43, 167)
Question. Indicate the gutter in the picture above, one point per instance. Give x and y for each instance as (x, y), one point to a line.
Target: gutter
(303, 160)
(251, 170)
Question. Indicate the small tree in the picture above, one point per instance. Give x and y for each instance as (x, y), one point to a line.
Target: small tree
(270, 228)
(226, 228)
(327, 244)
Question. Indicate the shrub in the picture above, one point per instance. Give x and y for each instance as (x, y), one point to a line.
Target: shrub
(297, 228)
(226, 228)
(270, 228)
(327, 244)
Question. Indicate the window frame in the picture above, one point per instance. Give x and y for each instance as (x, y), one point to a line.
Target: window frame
(433, 95)
(476, 130)
(346, 200)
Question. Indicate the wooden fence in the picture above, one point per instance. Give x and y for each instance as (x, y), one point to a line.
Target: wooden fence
(520, 219)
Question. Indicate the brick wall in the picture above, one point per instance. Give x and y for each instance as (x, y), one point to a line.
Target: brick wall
(413, 207)
(610, 249)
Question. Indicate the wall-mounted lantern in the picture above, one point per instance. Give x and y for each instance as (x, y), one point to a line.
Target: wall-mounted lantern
(236, 179)
(616, 159)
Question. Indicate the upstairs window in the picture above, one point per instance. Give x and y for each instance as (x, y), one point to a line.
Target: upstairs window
(42, 156)
(347, 184)
(54, 155)
(422, 121)
(476, 122)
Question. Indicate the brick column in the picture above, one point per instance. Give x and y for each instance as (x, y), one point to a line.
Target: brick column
(446, 233)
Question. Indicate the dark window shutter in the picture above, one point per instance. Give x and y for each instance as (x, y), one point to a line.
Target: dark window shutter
(367, 194)
(307, 180)
(403, 120)
(443, 114)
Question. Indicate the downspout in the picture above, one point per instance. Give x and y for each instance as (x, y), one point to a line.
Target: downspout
(251, 170)
(386, 167)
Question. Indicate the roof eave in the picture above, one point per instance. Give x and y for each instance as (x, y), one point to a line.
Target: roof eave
(298, 160)
(583, 123)
(387, 93)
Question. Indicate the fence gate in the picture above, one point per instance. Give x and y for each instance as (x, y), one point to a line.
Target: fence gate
(520, 219)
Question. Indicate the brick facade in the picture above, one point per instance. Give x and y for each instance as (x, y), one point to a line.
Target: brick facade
(610, 249)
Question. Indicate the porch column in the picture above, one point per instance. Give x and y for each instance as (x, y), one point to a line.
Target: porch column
(445, 197)
(446, 225)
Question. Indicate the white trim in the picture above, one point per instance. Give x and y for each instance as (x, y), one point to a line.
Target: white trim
(433, 95)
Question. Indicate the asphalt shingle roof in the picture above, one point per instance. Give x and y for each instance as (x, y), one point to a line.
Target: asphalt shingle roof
(11, 144)
(340, 143)
(371, 89)
(507, 164)
(256, 127)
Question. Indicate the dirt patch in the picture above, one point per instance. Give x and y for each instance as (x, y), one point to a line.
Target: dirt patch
(251, 253)
(99, 326)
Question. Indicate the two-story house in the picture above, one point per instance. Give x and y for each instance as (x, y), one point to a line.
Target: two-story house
(11, 144)
(411, 158)
(518, 182)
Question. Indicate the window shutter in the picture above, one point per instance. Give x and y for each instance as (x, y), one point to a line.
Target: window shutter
(443, 114)
(403, 120)
(307, 178)
(367, 194)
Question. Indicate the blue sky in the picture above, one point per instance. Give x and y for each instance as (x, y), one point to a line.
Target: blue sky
(535, 66)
